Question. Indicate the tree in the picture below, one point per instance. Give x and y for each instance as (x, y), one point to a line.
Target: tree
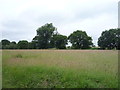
(13, 42)
(80, 40)
(109, 39)
(5, 42)
(59, 41)
(44, 35)
(34, 43)
(11, 46)
(23, 44)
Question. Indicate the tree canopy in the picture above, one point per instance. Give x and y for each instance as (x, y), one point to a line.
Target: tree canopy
(80, 40)
(23, 44)
(59, 41)
(5, 42)
(110, 39)
(48, 37)
(44, 34)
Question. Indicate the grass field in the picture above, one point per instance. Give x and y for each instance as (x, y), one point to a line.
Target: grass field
(60, 69)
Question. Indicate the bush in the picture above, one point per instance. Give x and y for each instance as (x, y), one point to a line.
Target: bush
(19, 56)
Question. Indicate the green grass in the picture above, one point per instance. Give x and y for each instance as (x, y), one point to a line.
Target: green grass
(60, 69)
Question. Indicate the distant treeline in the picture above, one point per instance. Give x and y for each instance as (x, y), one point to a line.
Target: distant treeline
(48, 37)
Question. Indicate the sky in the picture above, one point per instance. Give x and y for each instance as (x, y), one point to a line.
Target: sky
(19, 19)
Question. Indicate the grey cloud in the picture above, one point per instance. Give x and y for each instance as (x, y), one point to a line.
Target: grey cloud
(18, 35)
(16, 30)
(110, 8)
(13, 24)
(44, 17)
(79, 13)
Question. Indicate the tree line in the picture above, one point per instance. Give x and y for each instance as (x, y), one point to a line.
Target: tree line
(48, 37)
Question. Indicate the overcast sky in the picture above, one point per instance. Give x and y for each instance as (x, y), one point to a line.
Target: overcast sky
(19, 19)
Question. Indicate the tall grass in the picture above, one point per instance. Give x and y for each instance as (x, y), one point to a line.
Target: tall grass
(60, 69)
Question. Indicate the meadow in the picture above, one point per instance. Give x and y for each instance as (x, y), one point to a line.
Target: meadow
(60, 68)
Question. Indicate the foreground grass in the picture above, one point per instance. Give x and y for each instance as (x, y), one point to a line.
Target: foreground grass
(60, 69)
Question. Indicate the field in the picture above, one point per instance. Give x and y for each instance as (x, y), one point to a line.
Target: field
(60, 68)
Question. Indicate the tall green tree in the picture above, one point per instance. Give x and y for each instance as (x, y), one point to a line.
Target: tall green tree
(44, 35)
(109, 39)
(59, 41)
(5, 42)
(80, 40)
(23, 44)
